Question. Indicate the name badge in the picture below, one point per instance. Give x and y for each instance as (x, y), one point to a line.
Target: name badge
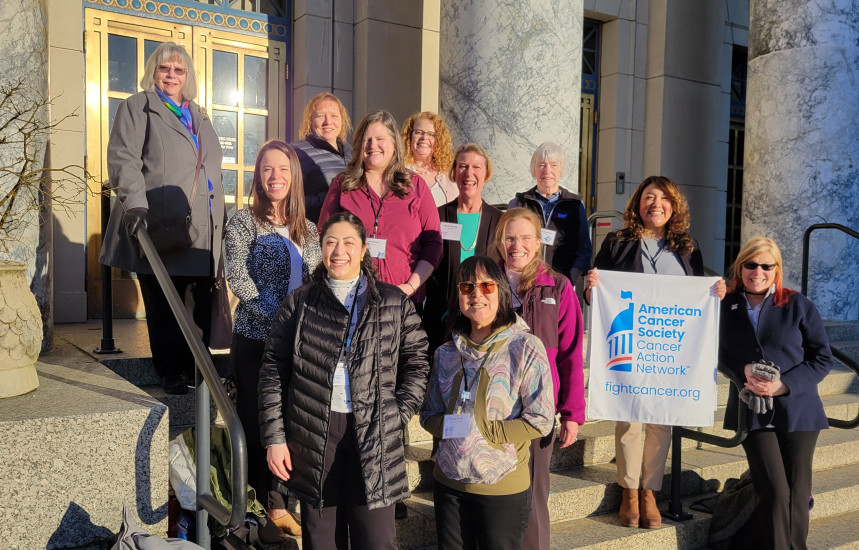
(341, 376)
(547, 236)
(451, 231)
(377, 247)
(456, 426)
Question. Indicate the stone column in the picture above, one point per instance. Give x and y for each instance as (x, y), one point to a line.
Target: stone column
(510, 79)
(802, 141)
(25, 61)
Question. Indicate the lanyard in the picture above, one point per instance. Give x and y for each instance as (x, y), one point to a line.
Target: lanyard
(465, 395)
(349, 332)
(376, 213)
(652, 258)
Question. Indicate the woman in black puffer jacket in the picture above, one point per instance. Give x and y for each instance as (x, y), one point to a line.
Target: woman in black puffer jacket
(344, 369)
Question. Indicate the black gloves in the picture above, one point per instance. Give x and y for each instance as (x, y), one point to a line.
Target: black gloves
(134, 219)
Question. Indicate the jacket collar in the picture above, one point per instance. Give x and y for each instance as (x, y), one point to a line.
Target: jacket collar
(342, 149)
(531, 194)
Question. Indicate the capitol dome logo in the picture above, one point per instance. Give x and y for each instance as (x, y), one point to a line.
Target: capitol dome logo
(619, 338)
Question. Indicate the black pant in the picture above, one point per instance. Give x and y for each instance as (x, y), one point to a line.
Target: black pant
(465, 521)
(537, 534)
(345, 515)
(170, 352)
(247, 359)
(780, 464)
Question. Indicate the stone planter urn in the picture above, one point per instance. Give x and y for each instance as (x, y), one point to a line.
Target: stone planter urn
(20, 331)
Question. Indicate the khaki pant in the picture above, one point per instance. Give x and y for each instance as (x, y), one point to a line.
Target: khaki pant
(635, 470)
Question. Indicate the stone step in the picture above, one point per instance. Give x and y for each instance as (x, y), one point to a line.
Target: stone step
(74, 450)
(140, 371)
(849, 347)
(835, 533)
(836, 494)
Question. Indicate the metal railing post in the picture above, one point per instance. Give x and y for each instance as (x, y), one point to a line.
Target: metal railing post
(107, 345)
(203, 454)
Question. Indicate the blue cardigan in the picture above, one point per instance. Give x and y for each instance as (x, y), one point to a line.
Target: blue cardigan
(791, 336)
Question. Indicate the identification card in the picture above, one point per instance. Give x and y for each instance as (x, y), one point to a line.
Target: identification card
(377, 247)
(341, 378)
(341, 393)
(456, 426)
(547, 236)
(451, 231)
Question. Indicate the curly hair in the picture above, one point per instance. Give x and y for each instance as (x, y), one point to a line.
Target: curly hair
(307, 118)
(442, 149)
(397, 177)
(753, 247)
(677, 236)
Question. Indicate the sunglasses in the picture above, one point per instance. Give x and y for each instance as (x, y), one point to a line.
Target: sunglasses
(486, 287)
(751, 266)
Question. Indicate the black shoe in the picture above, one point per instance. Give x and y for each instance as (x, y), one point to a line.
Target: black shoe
(174, 385)
(401, 511)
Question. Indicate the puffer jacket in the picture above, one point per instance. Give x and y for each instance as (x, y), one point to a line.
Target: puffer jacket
(388, 375)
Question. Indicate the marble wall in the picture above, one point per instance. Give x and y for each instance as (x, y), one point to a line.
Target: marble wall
(802, 141)
(510, 79)
(25, 61)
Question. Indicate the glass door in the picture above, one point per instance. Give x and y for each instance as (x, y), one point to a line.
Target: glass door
(241, 83)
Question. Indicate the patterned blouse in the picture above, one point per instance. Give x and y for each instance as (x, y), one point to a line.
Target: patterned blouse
(258, 270)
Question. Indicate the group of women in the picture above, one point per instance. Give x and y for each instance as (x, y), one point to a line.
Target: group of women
(337, 323)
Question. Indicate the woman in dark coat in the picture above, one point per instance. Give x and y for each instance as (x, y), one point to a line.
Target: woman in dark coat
(152, 158)
(344, 369)
(774, 338)
(655, 240)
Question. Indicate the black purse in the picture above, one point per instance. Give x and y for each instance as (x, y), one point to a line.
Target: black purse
(171, 235)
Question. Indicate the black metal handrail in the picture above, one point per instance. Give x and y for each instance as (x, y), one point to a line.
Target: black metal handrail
(854, 366)
(806, 241)
(675, 505)
(206, 502)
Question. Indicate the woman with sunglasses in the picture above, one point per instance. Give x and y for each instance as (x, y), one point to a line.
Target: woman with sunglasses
(490, 394)
(774, 338)
(547, 302)
(655, 240)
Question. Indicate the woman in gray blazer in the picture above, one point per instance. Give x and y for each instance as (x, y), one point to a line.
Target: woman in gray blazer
(152, 159)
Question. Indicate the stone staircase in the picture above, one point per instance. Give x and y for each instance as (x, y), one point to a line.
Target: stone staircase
(584, 495)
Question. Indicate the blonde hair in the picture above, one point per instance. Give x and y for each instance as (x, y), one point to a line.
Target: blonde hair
(536, 265)
(470, 148)
(165, 53)
(307, 118)
(442, 149)
(753, 247)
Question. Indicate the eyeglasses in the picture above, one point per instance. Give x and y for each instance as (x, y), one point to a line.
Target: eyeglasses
(178, 71)
(421, 133)
(526, 240)
(751, 266)
(486, 287)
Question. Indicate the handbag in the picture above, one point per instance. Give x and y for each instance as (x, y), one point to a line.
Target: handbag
(221, 332)
(170, 235)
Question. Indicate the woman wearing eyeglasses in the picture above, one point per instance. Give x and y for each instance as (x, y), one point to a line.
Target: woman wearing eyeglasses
(774, 338)
(655, 240)
(429, 153)
(547, 302)
(490, 394)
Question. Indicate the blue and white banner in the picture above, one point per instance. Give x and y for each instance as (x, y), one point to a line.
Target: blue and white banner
(653, 344)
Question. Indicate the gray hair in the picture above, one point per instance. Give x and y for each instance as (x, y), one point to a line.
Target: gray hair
(548, 151)
(166, 52)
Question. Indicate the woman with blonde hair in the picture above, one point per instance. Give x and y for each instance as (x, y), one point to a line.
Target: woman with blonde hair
(655, 239)
(547, 302)
(323, 151)
(429, 153)
(774, 338)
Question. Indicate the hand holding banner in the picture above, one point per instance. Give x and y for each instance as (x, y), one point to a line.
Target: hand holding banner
(653, 349)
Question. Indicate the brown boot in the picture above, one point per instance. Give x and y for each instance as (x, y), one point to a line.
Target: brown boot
(629, 508)
(650, 516)
(288, 524)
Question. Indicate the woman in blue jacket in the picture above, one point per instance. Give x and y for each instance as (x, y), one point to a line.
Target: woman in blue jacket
(774, 338)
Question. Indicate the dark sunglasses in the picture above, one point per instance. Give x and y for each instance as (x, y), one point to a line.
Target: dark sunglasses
(486, 287)
(751, 266)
